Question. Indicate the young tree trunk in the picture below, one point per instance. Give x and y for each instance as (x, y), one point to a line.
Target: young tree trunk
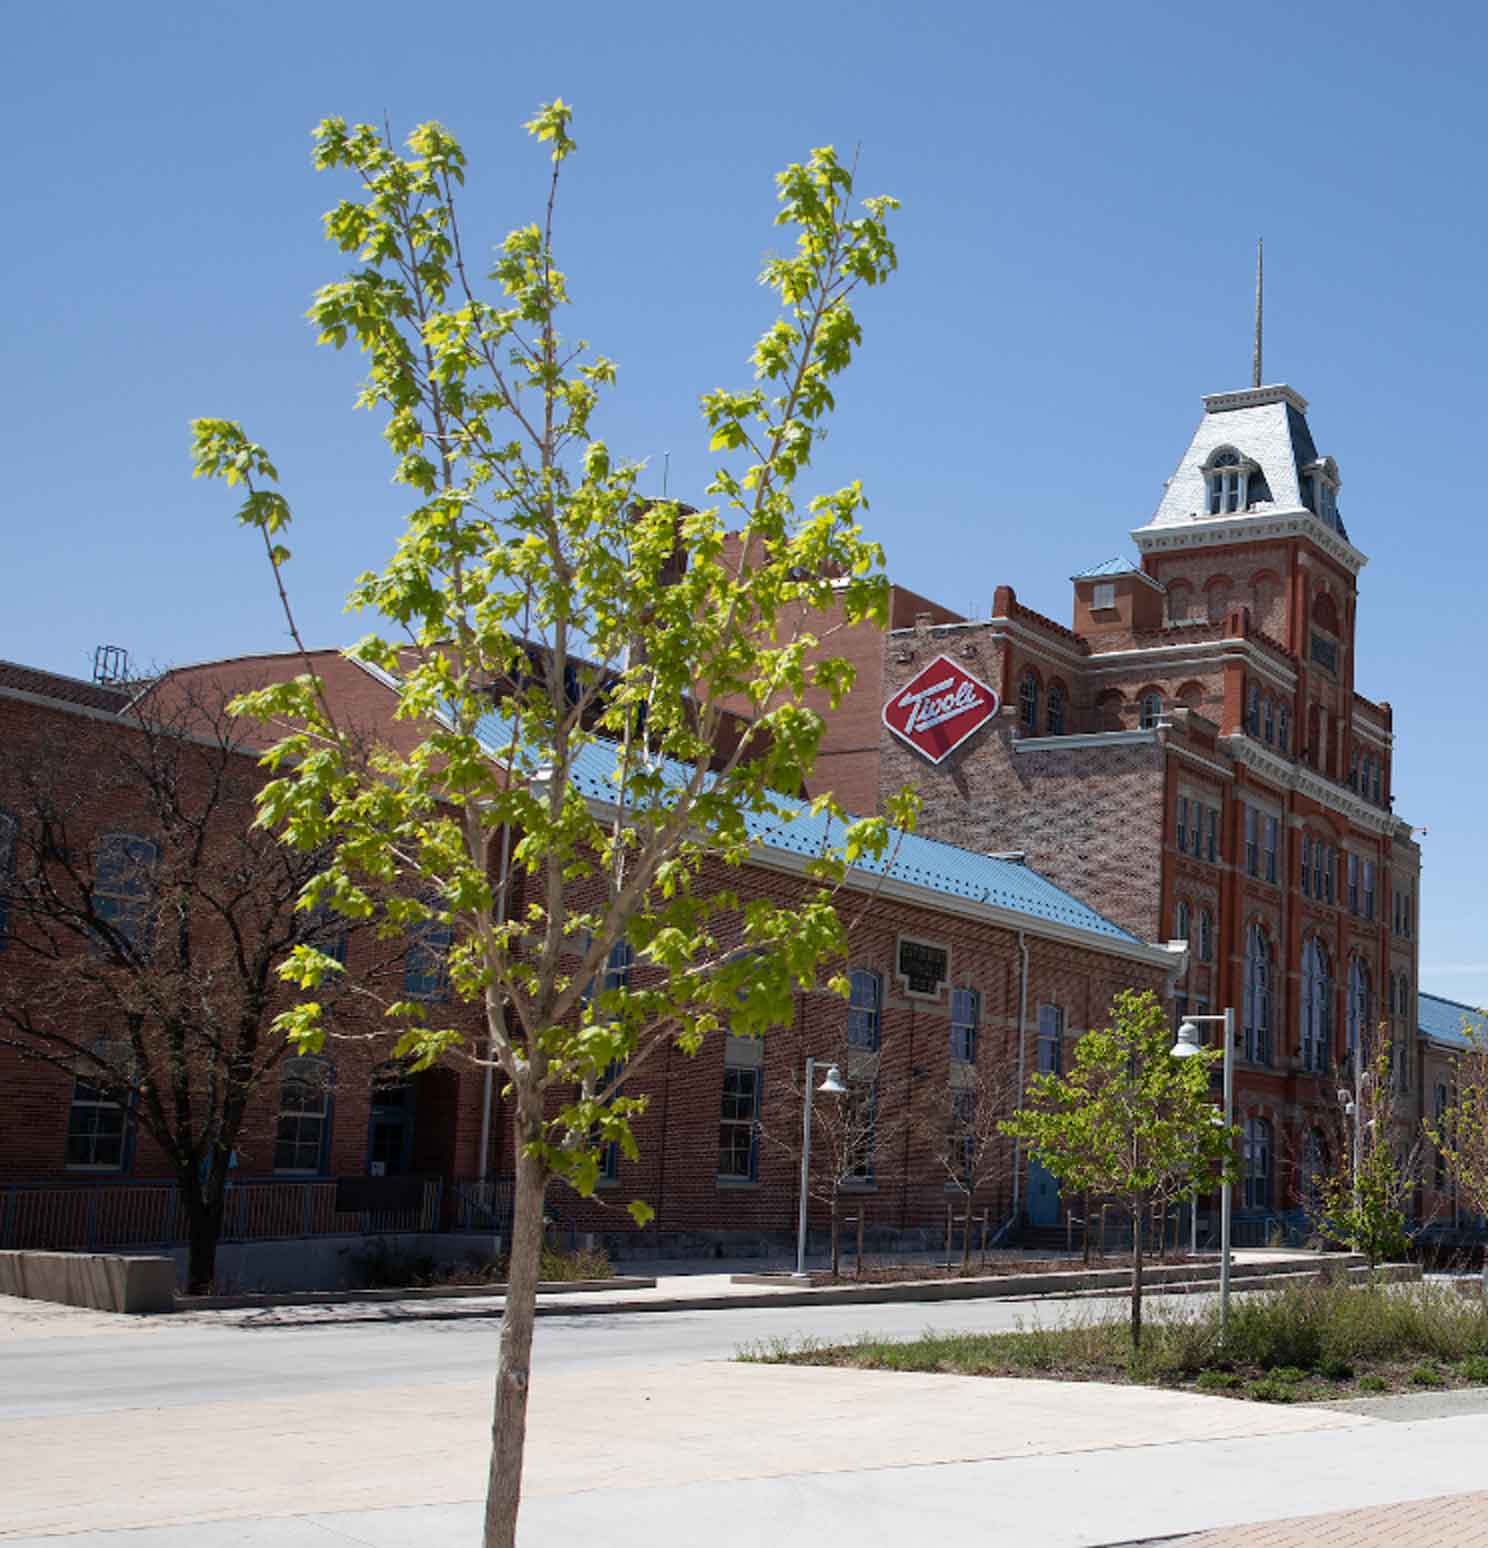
(966, 1238)
(203, 1229)
(1139, 1214)
(1085, 1235)
(514, 1355)
(836, 1234)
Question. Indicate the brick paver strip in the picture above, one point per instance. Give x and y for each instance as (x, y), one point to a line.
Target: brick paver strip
(1449, 1521)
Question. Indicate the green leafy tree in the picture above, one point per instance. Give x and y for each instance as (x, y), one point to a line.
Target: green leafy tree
(1129, 1121)
(570, 654)
(1363, 1199)
(1460, 1133)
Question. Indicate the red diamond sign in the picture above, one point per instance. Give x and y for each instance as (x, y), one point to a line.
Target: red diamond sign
(939, 708)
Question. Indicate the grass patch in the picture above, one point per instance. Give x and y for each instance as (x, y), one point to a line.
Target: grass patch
(1374, 1338)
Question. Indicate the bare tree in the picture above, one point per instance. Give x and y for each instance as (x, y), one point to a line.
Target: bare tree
(146, 920)
(960, 1125)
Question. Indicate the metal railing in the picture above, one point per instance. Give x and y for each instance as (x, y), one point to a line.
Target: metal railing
(88, 1217)
(484, 1203)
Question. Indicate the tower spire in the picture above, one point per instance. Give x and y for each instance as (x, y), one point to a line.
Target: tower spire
(1255, 363)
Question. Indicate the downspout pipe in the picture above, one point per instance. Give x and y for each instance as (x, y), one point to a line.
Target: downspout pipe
(488, 1086)
(1022, 1068)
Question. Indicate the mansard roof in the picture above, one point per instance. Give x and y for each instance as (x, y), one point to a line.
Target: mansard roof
(1450, 1021)
(1267, 427)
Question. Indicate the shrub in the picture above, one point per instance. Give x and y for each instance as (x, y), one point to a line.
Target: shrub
(1290, 1374)
(1216, 1381)
(1331, 1368)
(1373, 1383)
(1474, 1369)
(1427, 1376)
(1268, 1390)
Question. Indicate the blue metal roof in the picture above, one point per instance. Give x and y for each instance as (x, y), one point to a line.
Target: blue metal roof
(1448, 1021)
(1106, 567)
(910, 858)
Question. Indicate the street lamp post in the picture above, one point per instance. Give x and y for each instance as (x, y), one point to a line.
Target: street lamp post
(1187, 1046)
(831, 1086)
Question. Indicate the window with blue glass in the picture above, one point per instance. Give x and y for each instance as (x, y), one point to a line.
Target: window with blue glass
(426, 962)
(1050, 1039)
(864, 1003)
(966, 1017)
(98, 1117)
(123, 892)
(1257, 1164)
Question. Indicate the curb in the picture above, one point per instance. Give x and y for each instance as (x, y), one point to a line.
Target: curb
(268, 1299)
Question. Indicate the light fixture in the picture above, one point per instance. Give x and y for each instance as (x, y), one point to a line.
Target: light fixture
(832, 1083)
(1188, 1042)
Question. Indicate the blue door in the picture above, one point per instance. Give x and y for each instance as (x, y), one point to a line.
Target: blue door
(1043, 1194)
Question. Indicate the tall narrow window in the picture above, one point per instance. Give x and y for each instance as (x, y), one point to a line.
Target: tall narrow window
(1271, 839)
(1369, 889)
(98, 1119)
(1252, 841)
(1260, 967)
(1151, 710)
(1226, 477)
(1268, 719)
(1206, 936)
(1360, 1013)
(1306, 865)
(1317, 1006)
(1253, 709)
(123, 887)
(9, 830)
(1213, 830)
(1028, 703)
(1257, 1164)
(738, 1124)
(1284, 728)
(858, 1111)
(863, 1010)
(1182, 923)
(1055, 714)
(1196, 817)
(1374, 793)
(1353, 884)
(1183, 823)
(1050, 1039)
(302, 1137)
(966, 1016)
(618, 965)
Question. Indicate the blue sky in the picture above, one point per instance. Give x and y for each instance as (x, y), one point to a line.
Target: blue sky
(1082, 188)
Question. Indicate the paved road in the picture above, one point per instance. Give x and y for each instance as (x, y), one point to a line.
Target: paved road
(282, 1433)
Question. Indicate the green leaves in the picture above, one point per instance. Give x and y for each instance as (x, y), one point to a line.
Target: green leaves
(613, 693)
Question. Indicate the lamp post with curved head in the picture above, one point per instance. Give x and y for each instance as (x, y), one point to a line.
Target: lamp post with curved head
(1190, 1043)
(831, 1086)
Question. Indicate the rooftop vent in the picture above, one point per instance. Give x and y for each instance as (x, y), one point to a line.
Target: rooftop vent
(110, 665)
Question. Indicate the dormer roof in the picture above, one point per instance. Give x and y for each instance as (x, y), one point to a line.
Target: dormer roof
(1266, 427)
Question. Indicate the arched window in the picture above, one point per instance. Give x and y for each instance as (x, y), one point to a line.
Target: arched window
(302, 1138)
(1225, 476)
(1028, 702)
(1317, 1006)
(1055, 715)
(98, 1119)
(1253, 709)
(1268, 718)
(1180, 601)
(1284, 727)
(966, 1017)
(1360, 1011)
(1110, 707)
(123, 892)
(426, 961)
(1151, 710)
(1182, 922)
(1206, 936)
(1257, 1164)
(863, 1005)
(1260, 973)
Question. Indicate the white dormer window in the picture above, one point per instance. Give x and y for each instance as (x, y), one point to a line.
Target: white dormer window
(1105, 596)
(1227, 477)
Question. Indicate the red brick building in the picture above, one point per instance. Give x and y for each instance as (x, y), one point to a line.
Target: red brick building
(967, 970)
(1193, 757)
